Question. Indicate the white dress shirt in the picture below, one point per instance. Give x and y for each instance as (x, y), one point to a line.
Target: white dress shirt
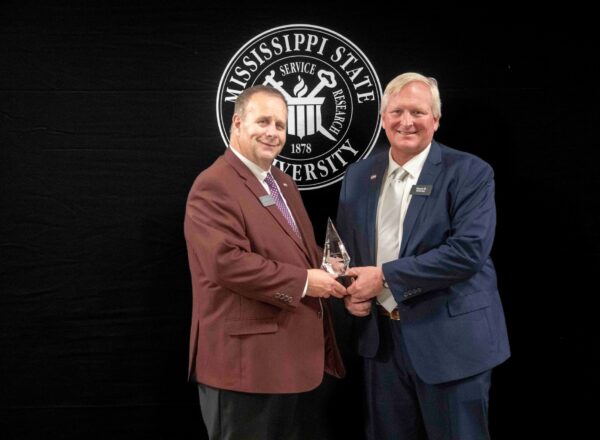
(413, 167)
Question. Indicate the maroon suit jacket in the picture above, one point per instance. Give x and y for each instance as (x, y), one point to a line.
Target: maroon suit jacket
(251, 329)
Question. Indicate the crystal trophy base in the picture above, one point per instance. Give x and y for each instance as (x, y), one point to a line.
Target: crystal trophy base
(345, 280)
(335, 257)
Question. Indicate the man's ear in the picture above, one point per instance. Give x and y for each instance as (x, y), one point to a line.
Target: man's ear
(235, 124)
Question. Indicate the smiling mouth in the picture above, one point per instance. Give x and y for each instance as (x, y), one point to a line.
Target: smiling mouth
(267, 143)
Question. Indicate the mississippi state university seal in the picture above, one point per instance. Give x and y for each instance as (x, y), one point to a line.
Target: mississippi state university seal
(333, 96)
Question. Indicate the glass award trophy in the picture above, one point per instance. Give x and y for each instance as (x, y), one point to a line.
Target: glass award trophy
(335, 257)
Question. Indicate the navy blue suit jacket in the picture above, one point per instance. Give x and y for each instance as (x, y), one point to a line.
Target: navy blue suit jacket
(444, 280)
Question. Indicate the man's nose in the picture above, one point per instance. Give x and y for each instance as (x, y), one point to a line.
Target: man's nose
(406, 119)
(271, 129)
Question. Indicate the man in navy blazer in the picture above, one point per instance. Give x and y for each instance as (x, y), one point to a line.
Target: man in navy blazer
(430, 346)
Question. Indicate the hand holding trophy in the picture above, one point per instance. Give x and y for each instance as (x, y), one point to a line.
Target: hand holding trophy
(335, 257)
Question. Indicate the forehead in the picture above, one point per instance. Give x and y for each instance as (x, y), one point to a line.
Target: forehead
(266, 104)
(414, 93)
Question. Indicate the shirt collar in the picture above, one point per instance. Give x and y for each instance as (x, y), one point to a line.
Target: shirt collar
(258, 172)
(413, 167)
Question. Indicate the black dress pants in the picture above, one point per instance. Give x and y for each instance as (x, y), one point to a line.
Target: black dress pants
(232, 415)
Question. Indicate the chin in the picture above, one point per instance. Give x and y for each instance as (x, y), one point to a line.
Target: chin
(406, 147)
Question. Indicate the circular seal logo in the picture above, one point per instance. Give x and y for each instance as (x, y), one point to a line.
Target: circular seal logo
(333, 96)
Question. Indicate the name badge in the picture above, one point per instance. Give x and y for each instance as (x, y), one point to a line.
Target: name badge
(267, 200)
(421, 190)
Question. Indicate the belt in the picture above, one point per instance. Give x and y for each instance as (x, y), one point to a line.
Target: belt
(394, 315)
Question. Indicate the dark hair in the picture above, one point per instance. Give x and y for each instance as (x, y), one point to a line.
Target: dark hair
(242, 100)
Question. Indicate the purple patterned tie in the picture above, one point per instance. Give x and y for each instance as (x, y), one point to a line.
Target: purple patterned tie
(270, 181)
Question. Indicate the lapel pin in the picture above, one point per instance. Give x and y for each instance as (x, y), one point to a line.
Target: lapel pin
(373, 176)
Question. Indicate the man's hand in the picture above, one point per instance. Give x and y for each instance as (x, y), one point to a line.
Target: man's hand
(368, 283)
(322, 284)
(357, 308)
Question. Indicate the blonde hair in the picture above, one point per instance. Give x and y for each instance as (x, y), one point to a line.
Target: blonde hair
(401, 81)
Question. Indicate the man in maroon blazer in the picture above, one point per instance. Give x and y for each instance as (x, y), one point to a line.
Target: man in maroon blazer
(261, 333)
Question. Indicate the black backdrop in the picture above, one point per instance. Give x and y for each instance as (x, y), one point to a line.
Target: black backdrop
(106, 117)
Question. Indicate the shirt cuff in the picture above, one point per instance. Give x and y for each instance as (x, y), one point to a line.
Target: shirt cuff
(305, 286)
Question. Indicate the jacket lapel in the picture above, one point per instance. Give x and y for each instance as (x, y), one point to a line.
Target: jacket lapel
(259, 191)
(428, 176)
